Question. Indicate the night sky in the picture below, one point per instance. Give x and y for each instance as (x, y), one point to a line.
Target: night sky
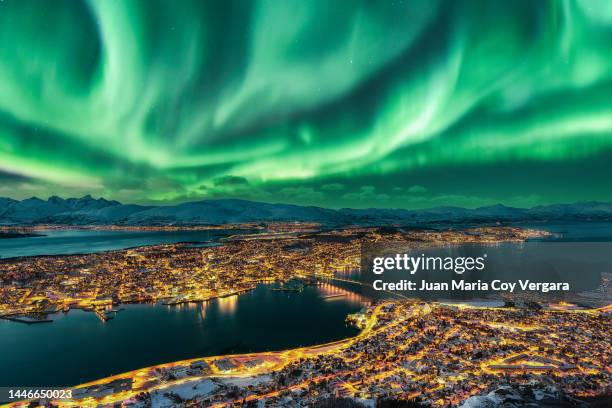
(333, 103)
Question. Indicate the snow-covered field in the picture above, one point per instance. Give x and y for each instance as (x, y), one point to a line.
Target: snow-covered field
(188, 390)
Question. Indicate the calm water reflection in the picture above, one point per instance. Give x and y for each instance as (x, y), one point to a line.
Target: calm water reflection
(78, 347)
(84, 241)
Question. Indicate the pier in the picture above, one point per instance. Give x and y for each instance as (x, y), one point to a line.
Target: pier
(298, 288)
(338, 295)
(102, 315)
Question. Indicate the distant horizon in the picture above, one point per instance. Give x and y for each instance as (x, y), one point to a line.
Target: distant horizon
(168, 204)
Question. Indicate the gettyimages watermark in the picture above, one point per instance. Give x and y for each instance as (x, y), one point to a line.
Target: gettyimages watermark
(467, 271)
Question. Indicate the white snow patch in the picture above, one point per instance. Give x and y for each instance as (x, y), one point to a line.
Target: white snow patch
(188, 390)
(245, 381)
(482, 401)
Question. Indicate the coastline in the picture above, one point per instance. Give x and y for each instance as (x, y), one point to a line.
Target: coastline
(256, 368)
(275, 360)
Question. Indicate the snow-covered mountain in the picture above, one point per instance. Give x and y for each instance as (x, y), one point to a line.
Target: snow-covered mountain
(33, 210)
(591, 209)
(230, 211)
(88, 210)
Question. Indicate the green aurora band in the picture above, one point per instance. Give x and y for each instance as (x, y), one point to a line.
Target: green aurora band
(334, 103)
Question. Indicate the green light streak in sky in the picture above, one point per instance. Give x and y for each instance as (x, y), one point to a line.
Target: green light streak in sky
(168, 100)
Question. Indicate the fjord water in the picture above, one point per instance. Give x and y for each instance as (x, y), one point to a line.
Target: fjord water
(64, 242)
(77, 347)
(575, 231)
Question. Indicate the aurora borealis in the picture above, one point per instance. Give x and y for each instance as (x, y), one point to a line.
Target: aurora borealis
(332, 103)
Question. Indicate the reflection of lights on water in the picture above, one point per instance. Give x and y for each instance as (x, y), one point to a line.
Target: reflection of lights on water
(228, 304)
(335, 292)
(181, 306)
(347, 272)
(203, 308)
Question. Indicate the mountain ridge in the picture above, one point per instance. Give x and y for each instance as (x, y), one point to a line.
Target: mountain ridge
(90, 211)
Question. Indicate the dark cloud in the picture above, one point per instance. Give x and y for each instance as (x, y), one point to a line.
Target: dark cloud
(333, 187)
(230, 181)
(6, 176)
(364, 193)
(304, 194)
